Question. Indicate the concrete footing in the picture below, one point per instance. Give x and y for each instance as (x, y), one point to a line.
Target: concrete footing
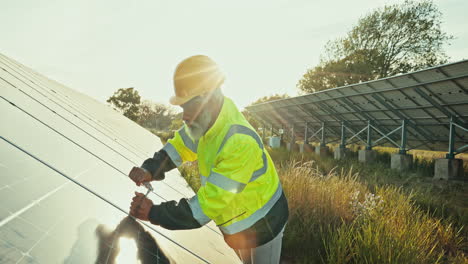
(293, 147)
(322, 150)
(367, 156)
(401, 162)
(448, 169)
(306, 148)
(340, 153)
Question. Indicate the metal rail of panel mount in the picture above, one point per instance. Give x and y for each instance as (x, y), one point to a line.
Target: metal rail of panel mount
(426, 109)
(64, 186)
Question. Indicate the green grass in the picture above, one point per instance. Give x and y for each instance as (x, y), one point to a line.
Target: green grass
(348, 212)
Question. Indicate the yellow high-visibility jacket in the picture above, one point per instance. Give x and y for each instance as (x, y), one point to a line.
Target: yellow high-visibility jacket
(239, 182)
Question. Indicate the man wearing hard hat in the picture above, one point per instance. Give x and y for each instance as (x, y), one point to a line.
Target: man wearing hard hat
(240, 189)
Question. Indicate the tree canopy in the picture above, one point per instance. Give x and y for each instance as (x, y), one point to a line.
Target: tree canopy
(177, 122)
(394, 39)
(153, 115)
(146, 113)
(127, 100)
(270, 98)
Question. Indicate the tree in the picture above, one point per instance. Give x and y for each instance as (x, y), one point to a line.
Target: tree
(127, 100)
(153, 115)
(255, 124)
(270, 98)
(177, 122)
(330, 74)
(390, 40)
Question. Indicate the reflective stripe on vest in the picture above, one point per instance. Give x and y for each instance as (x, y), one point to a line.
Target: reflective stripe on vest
(203, 180)
(188, 142)
(173, 154)
(226, 183)
(229, 184)
(197, 212)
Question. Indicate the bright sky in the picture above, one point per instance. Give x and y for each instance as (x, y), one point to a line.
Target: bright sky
(264, 47)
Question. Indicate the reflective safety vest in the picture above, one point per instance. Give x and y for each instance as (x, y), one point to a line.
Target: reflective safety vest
(239, 183)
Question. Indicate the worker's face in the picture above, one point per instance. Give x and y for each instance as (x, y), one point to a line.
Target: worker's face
(197, 117)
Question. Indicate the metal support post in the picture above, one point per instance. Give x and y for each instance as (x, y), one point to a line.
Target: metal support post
(403, 137)
(281, 134)
(451, 150)
(306, 139)
(369, 135)
(462, 148)
(263, 131)
(343, 135)
(322, 141)
(271, 129)
(293, 138)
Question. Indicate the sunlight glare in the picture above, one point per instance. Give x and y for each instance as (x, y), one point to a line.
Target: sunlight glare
(128, 252)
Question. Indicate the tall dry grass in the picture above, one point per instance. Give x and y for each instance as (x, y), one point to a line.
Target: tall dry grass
(337, 216)
(317, 203)
(336, 219)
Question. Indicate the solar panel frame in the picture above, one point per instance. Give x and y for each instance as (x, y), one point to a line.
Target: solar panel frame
(428, 99)
(65, 122)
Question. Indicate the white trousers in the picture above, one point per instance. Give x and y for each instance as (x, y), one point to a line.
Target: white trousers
(264, 254)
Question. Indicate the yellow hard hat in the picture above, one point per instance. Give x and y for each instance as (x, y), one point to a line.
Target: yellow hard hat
(195, 76)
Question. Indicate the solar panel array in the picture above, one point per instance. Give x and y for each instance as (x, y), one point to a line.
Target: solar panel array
(64, 189)
(427, 99)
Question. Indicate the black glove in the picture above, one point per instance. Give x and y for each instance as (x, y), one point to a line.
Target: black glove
(158, 165)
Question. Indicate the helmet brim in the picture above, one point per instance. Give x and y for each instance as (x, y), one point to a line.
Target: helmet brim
(176, 100)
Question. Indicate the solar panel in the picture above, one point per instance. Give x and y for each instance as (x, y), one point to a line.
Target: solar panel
(427, 99)
(64, 160)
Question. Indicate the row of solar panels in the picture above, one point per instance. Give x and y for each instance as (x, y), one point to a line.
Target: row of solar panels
(64, 159)
(428, 99)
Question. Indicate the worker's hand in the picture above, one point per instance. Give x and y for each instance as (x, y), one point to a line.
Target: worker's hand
(140, 206)
(139, 175)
